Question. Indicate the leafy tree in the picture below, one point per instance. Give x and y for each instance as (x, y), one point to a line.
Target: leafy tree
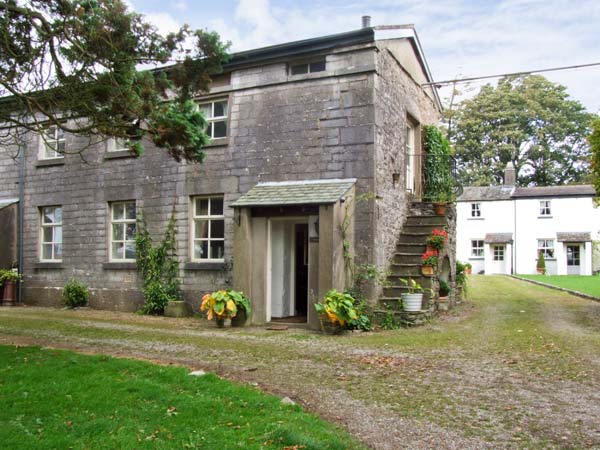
(74, 64)
(527, 120)
(594, 140)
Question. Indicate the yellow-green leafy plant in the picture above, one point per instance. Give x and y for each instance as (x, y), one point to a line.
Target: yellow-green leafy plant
(224, 304)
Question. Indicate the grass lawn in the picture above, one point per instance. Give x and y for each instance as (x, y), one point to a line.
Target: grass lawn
(586, 284)
(55, 399)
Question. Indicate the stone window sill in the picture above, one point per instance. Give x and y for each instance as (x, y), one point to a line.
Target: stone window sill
(119, 266)
(50, 162)
(477, 258)
(119, 154)
(475, 218)
(215, 266)
(220, 142)
(544, 217)
(48, 265)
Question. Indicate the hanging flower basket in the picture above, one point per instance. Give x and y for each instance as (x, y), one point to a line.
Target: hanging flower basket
(428, 271)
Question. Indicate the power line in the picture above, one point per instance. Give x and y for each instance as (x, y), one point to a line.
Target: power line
(528, 72)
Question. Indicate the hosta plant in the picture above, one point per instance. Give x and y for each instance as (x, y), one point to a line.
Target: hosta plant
(341, 309)
(224, 304)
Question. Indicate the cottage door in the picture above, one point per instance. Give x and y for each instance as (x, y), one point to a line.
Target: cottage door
(498, 258)
(574, 259)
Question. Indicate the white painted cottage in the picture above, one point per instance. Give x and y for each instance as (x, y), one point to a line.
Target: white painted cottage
(502, 229)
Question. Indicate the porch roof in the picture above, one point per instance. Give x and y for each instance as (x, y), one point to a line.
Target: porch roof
(498, 238)
(4, 202)
(306, 192)
(573, 236)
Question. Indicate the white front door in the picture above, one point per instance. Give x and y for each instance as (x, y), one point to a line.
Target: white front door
(574, 259)
(498, 258)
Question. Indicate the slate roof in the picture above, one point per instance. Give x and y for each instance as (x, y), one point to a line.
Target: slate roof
(471, 193)
(498, 238)
(573, 236)
(7, 202)
(555, 191)
(308, 192)
(482, 193)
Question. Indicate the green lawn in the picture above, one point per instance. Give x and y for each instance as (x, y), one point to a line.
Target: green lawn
(586, 284)
(55, 399)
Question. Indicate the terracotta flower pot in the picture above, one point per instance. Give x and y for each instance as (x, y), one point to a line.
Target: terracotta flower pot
(9, 295)
(427, 270)
(439, 208)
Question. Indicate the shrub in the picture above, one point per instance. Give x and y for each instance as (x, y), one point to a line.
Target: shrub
(541, 263)
(75, 294)
(444, 289)
(439, 184)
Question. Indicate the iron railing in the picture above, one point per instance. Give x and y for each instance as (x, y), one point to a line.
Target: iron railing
(436, 173)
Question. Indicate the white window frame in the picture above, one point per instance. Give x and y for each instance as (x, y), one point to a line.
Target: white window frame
(545, 208)
(544, 247)
(209, 218)
(476, 210)
(499, 251)
(477, 251)
(410, 157)
(53, 226)
(210, 130)
(52, 141)
(123, 223)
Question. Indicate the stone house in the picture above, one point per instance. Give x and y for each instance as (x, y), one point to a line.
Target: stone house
(502, 229)
(300, 133)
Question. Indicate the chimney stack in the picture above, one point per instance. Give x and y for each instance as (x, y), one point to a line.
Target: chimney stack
(510, 175)
(366, 21)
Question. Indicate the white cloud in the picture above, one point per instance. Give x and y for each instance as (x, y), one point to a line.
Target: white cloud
(181, 6)
(163, 21)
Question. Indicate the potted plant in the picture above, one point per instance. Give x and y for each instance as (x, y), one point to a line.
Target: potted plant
(468, 268)
(429, 261)
(413, 299)
(9, 279)
(461, 280)
(437, 239)
(219, 306)
(336, 311)
(541, 263)
(242, 304)
(444, 289)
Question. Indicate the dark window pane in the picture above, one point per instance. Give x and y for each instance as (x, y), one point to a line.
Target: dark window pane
(317, 66)
(117, 232)
(202, 207)
(201, 231)
(299, 69)
(217, 229)
(47, 234)
(47, 251)
(130, 211)
(220, 129)
(48, 215)
(220, 109)
(216, 207)
(217, 249)
(130, 232)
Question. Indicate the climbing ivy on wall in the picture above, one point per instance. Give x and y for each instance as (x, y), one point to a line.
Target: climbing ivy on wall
(158, 266)
(439, 183)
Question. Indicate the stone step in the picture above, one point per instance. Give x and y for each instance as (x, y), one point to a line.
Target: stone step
(405, 270)
(426, 220)
(411, 247)
(402, 318)
(397, 290)
(407, 258)
(416, 237)
(412, 228)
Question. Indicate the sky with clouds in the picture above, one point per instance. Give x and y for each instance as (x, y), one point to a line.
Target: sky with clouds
(461, 38)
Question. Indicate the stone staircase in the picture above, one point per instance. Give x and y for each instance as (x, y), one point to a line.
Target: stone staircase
(406, 264)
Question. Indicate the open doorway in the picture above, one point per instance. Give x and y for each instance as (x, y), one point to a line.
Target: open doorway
(288, 271)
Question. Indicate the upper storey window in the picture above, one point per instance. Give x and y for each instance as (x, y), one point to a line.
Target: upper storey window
(53, 143)
(307, 67)
(215, 113)
(545, 210)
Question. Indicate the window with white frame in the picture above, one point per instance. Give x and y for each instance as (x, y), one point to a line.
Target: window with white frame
(477, 248)
(51, 233)
(122, 231)
(215, 113)
(545, 208)
(475, 210)
(498, 252)
(308, 67)
(546, 246)
(208, 233)
(53, 143)
(117, 145)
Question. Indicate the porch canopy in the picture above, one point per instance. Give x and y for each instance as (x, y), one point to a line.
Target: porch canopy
(306, 192)
(4, 202)
(499, 238)
(571, 236)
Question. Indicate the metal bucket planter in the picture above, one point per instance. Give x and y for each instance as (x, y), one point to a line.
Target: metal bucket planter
(223, 323)
(329, 327)
(412, 302)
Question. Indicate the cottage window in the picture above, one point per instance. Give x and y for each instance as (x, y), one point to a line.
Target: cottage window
(53, 143)
(498, 252)
(546, 246)
(477, 248)
(545, 208)
(475, 210)
(51, 233)
(208, 234)
(308, 67)
(122, 231)
(215, 113)
(117, 145)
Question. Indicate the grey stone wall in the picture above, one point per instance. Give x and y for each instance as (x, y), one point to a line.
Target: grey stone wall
(398, 96)
(280, 128)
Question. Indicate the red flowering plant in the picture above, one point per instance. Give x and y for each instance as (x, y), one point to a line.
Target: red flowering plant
(429, 258)
(437, 239)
